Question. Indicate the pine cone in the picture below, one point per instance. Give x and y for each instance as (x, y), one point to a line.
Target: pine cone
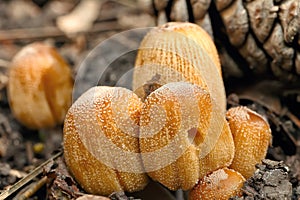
(254, 37)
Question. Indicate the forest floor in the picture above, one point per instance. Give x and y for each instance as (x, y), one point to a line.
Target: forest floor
(35, 156)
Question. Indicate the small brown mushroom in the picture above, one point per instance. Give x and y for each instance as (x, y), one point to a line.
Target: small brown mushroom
(251, 135)
(40, 86)
(219, 185)
(101, 143)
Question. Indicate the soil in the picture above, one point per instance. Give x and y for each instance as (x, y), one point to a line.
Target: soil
(24, 151)
(271, 180)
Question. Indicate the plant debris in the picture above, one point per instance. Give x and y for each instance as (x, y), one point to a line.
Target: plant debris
(63, 185)
(271, 180)
(23, 22)
(120, 196)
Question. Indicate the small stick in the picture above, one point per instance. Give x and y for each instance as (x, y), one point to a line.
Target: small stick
(293, 118)
(52, 32)
(30, 33)
(29, 151)
(32, 190)
(28, 178)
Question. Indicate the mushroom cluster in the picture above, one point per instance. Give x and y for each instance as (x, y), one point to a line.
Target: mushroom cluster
(173, 127)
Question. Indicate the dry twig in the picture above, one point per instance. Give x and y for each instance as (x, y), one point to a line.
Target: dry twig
(29, 177)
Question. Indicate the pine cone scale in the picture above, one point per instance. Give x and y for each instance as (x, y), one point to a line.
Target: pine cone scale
(289, 16)
(236, 23)
(264, 32)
